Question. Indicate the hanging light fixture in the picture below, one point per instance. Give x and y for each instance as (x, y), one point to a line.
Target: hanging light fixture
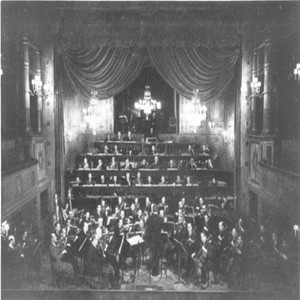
(147, 104)
(255, 86)
(200, 108)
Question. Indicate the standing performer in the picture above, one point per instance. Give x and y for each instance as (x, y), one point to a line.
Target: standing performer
(154, 226)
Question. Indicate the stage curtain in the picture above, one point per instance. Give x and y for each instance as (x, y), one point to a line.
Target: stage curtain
(208, 69)
(107, 70)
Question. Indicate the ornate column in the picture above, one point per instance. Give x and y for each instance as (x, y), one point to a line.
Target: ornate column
(39, 96)
(253, 99)
(26, 87)
(267, 90)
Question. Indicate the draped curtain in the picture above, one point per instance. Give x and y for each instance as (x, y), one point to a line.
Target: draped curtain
(105, 70)
(109, 70)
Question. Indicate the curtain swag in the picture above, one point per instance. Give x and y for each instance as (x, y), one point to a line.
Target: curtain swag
(109, 70)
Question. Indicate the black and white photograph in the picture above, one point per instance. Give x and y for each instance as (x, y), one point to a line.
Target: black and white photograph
(150, 150)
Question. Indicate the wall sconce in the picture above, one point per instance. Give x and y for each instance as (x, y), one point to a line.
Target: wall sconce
(255, 86)
(37, 85)
(297, 72)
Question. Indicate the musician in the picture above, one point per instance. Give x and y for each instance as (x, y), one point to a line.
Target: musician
(155, 164)
(113, 164)
(171, 164)
(128, 180)
(143, 164)
(116, 151)
(71, 230)
(153, 151)
(204, 150)
(81, 241)
(132, 212)
(264, 239)
(162, 204)
(207, 226)
(90, 180)
(138, 179)
(154, 227)
(225, 203)
(203, 258)
(180, 230)
(241, 227)
(148, 206)
(190, 245)
(191, 150)
(198, 205)
(98, 213)
(86, 165)
(223, 237)
(136, 203)
(192, 165)
(96, 263)
(208, 164)
(106, 150)
(57, 230)
(120, 202)
(127, 165)
(162, 180)
(138, 220)
(62, 269)
(86, 218)
(100, 165)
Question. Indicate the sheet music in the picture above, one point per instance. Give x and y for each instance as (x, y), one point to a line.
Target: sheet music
(135, 240)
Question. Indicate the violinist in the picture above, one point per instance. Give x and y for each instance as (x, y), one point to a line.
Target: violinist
(190, 244)
(71, 230)
(203, 259)
(86, 218)
(162, 204)
(138, 220)
(81, 241)
(98, 213)
(136, 203)
(96, 263)
(148, 206)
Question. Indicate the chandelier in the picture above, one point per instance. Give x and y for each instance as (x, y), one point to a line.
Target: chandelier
(255, 86)
(201, 109)
(90, 113)
(147, 104)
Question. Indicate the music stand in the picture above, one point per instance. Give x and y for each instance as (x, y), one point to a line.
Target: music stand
(180, 248)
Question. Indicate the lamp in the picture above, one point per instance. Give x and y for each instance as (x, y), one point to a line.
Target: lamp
(39, 89)
(211, 126)
(147, 104)
(255, 86)
(200, 108)
(297, 72)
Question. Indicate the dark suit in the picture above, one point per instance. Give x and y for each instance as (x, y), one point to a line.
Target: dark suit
(154, 226)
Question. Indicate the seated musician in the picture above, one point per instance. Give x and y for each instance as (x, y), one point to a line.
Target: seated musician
(127, 165)
(162, 204)
(191, 150)
(208, 164)
(96, 262)
(138, 180)
(190, 245)
(241, 227)
(204, 150)
(149, 180)
(119, 137)
(100, 165)
(86, 218)
(90, 180)
(98, 213)
(192, 165)
(155, 164)
(113, 164)
(171, 164)
(86, 165)
(129, 137)
(103, 180)
(143, 164)
(71, 230)
(223, 236)
(57, 230)
(57, 251)
(162, 181)
(207, 226)
(203, 259)
(81, 241)
(225, 203)
(138, 220)
(198, 203)
(116, 151)
(132, 212)
(148, 206)
(108, 138)
(128, 180)
(180, 228)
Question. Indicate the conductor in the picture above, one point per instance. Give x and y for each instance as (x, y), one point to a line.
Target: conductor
(153, 238)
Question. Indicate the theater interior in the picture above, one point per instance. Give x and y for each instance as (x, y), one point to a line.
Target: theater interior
(150, 149)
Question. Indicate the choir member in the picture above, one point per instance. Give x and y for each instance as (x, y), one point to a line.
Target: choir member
(129, 137)
(192, 165)
(86, 165)
(155, 164)
(162, 181)
(128, 180)
(138, 180)
(143, 164)
(113, 164)
(191, 150)
(116, 151)
(171, 164)
(108, 138)
(127, 165)
(119, 137)
(188, 181)
(103, 180)
(90, 180)
(100, 165)
(106, 150)
(149, 180)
